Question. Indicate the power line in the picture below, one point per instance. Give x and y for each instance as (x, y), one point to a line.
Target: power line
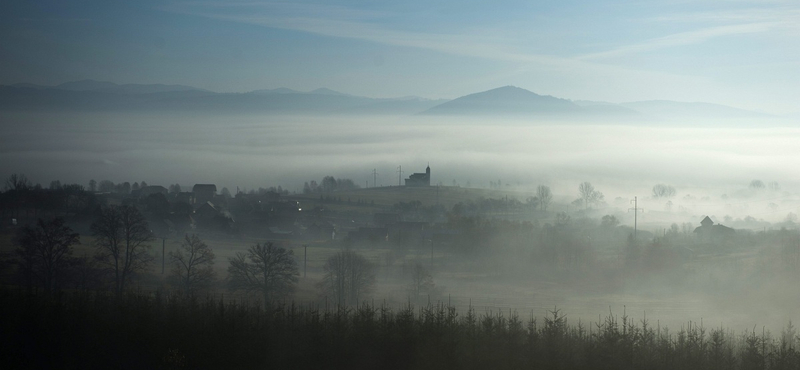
(399, 175)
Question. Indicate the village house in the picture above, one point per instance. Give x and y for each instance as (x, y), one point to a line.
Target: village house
(709, 232)
(204, 193)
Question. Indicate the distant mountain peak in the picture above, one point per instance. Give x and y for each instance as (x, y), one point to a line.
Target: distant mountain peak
(280, 90)
(327, 91)
(86, 85)
(505, 100)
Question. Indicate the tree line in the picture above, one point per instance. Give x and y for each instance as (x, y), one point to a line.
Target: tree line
(122, 240)
(167, 331)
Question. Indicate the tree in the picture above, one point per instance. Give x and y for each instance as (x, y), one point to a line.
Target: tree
(757, 185)
(122, 238)
(421, 280)
(328, 184)
(663, 191)
(193, 264)
(175, 188)
(17, 182)
(589, 195)
(123, 188)
(45, 252)
(266, 269)
(545, 196)
(609, 221)
(106, 186)
(348, 277)
(92, 185)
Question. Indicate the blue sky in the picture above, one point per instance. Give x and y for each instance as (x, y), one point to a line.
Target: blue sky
(735, 52)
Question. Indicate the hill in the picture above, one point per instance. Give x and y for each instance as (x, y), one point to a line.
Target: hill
(89, 95)
(515, 101)
(675, 109)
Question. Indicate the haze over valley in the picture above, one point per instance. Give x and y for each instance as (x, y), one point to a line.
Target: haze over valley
(401, 185)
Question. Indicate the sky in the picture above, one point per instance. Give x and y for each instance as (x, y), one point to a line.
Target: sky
(735, 52)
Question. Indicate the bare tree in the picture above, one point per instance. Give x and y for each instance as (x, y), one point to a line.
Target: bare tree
(348, 277)
(45, 252)
(17, 182)
(421, 280)
(757, 185)
(663, 191)
(265, 269)
(774, 186)
(545, 196)
(589, 195)
(122, 238)
(193, 264)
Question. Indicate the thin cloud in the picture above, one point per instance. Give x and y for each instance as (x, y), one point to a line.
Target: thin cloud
(683, 38)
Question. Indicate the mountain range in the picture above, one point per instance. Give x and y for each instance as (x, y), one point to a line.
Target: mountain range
(90, 95)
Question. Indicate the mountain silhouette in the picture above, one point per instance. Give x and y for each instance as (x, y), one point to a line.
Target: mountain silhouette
(507, 100)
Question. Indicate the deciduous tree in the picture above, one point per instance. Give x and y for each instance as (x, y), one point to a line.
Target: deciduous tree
(193, 264)
(122, 237)
(421, 280)
(348, 277)
(545, 196)
(265, 269)
(589, 195)
(663, 191)
(44, 252)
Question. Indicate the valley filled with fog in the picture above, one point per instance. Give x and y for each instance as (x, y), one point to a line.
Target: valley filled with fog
(622, 158)
(710, 164)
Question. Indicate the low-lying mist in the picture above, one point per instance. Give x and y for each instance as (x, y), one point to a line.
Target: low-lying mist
(740, 176)
(706, 163)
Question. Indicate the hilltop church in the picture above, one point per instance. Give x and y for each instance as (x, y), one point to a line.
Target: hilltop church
(420, 179)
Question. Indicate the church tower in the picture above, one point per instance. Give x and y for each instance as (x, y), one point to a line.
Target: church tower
(428, 174)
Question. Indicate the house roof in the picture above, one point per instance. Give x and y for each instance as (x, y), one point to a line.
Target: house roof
(706, 221)
(206, 187)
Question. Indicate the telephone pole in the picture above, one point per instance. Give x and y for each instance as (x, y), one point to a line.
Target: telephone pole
(635, 210)
(163, 251)
(399, 175)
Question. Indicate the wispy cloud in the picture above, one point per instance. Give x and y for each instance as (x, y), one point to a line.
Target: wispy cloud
(340, 22)
(683, 38)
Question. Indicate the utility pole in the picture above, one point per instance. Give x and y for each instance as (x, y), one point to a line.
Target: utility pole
(163, 256)
(374, 178)
(635, 210)
(399, 175)
(305, 259)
